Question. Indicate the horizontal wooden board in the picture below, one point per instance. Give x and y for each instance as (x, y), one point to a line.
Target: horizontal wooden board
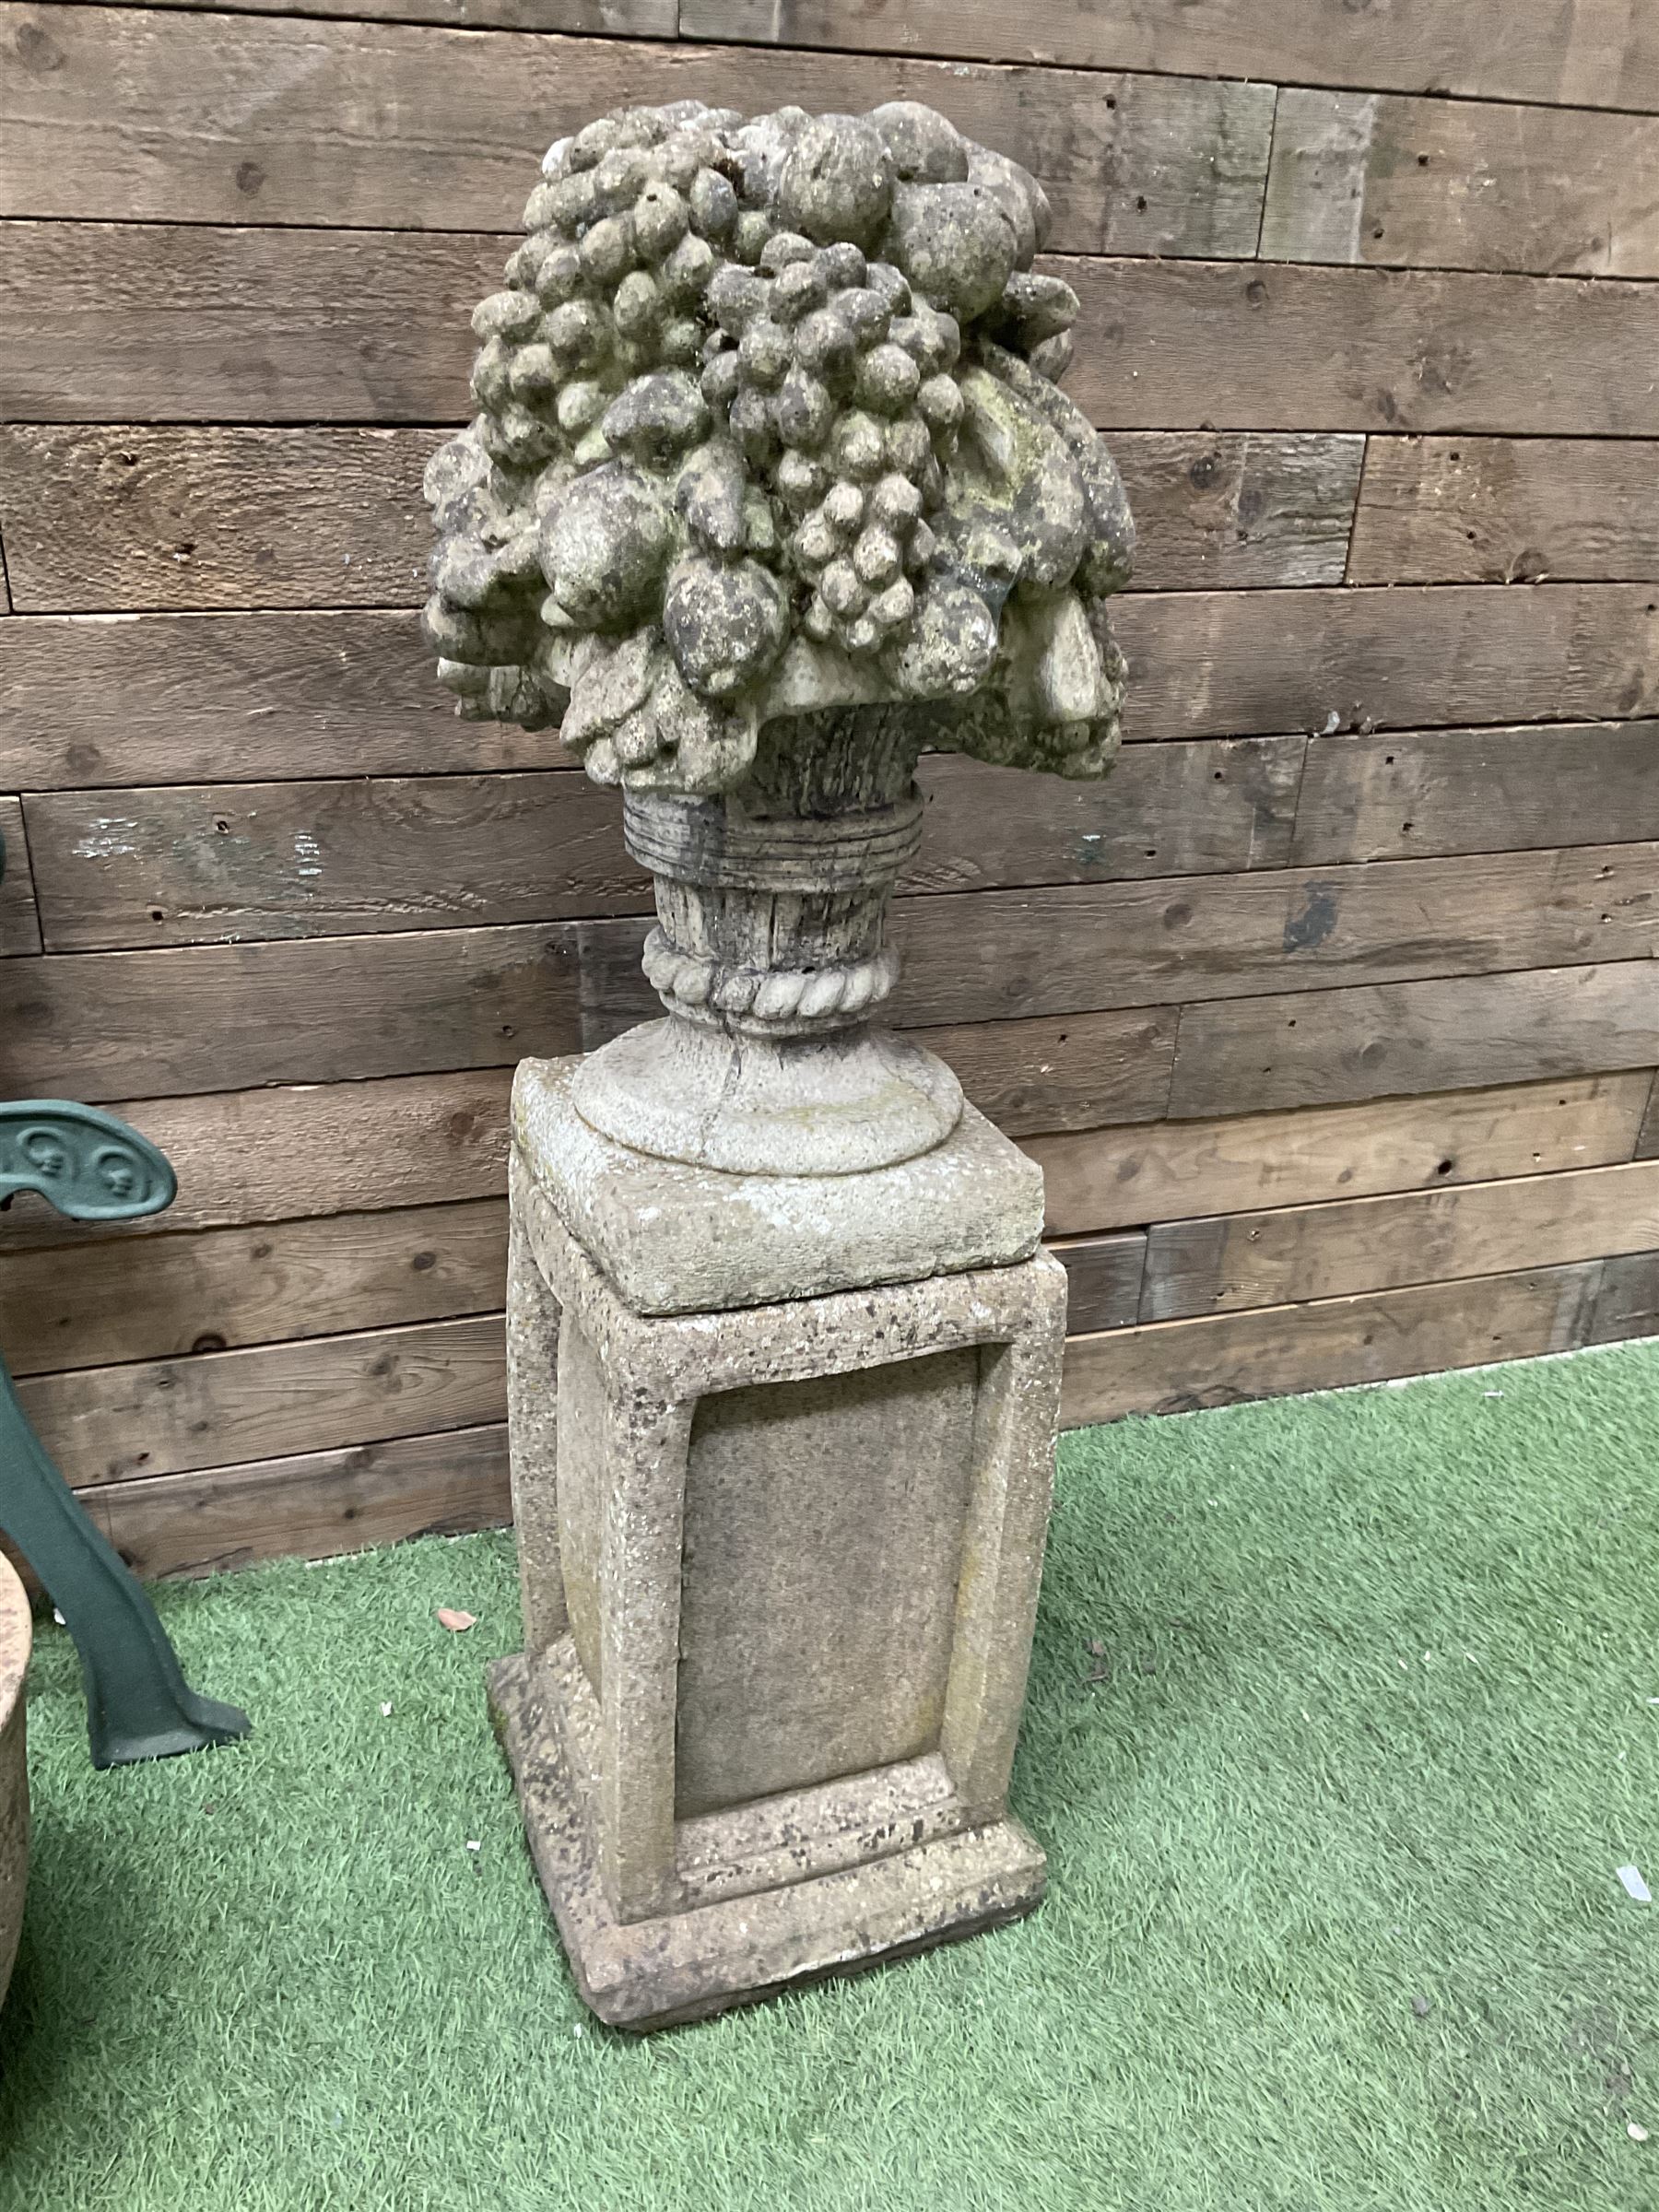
(163, 1297)
(181, 323)
(1400, 658)
(1459, 1032)
(1443, 183)
(1594, 52)
(1101, 1179)
(1647, 1143)
(264, 1156)
(1234, 1260)
(999, 955)
(1495, 509)
(415, 1141)
(1476, 791)
(1103, 1276)
(1203, 937)
(1004, 953)
(313, 1505)
(100, 700)
(1278, 347)
(105, 519)
(164, 1416)
(103, 1025)
(1181, 808)
(123, 322)
(19, 923)
(1217, 510)
(1071, 1073)
(187, 865)
(126, 114)
(316, 1505)
(1626, 1304)
(1225, 1358)
(138, 516)
(120, 699)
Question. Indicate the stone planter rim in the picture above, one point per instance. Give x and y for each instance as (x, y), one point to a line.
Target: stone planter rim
(16, 1639)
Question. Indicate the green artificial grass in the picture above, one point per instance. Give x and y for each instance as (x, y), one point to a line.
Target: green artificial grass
(1342, 1718)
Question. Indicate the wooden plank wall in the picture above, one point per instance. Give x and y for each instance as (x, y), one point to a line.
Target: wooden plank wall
(1331, 1017)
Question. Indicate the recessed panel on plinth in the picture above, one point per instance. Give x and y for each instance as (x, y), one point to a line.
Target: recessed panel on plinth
(796, 1550)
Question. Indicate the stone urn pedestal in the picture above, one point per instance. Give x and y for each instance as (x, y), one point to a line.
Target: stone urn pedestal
(771, 485)
(16, 1638)
(781, 1438)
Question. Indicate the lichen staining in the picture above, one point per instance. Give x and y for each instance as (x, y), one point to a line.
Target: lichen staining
(768, 419)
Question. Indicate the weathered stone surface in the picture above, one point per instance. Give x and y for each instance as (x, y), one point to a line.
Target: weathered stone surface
(925, 147)
(836, 181)
(16, 1635)
(533, 1419)
(605, 546)
(786, 1108)
(723, 624)
(679, 1966)
(673, 1238)
(767, 492)
(718, 336)
(958, 244)
(770, 488)
(767, 1732)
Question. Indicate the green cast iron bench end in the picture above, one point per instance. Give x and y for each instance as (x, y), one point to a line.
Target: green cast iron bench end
(93, 1168)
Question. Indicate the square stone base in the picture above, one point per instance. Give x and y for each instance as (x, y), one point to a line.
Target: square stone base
(780, 1551)
(735, 1949)
(673, 1239)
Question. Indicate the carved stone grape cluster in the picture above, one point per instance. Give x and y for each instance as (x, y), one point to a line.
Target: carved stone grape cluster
(767, 423)
(835, 383)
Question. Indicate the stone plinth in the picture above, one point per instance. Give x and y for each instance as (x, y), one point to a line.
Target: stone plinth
(675, 1237)
(16, 1636)
(781, 1562)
